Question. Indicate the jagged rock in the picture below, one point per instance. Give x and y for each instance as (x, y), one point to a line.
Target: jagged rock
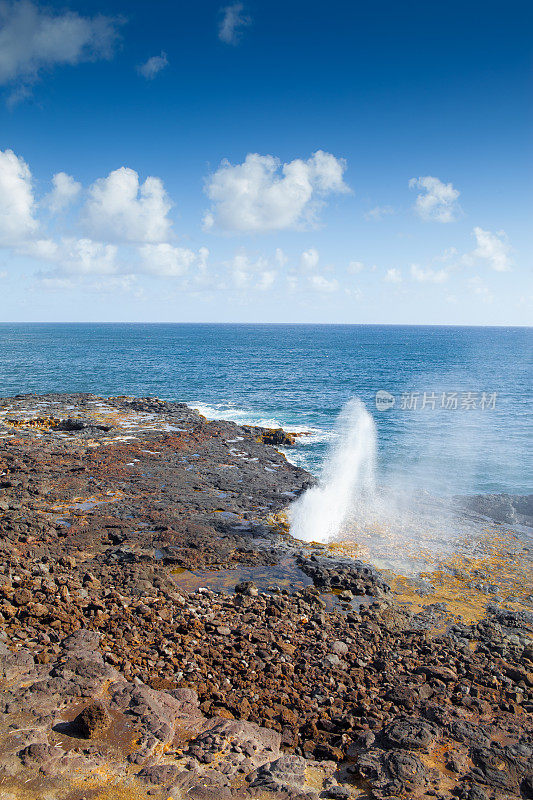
(409, 734)
(247, 588)
(278, 437)
(204, 687)
(93, 721)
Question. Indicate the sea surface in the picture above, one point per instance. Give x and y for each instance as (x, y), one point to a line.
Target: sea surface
(470, 433)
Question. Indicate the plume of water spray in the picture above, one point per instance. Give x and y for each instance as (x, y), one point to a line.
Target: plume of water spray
(348, 478)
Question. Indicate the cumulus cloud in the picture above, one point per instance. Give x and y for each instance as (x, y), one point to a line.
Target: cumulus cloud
(242, 268)
(124, 224)
(393, 275)
(233, 22)
(428, 275)
(120, 208)
(378, 213)
(64, 192)
(309, 260)
(355, 267)
(267, 279)
(75, 256)
(87, 256)
(166, 260)
(262, 194)
(321, 284)
(493, 248)
(437, 200)
(17, 205)
(153, 66)
(33, 40)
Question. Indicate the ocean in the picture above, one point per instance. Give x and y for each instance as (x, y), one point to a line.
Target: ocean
(453, 415)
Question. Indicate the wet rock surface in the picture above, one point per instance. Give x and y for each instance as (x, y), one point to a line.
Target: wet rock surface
(119, 684)
(501, 507)
(343, 574)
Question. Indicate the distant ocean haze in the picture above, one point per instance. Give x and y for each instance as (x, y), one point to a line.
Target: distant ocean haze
(453, 414)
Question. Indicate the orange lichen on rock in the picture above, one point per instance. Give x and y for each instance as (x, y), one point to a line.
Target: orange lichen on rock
(468, 583)
(40, 423)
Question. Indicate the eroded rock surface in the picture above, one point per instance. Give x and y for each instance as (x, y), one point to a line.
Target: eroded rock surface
(118, 683)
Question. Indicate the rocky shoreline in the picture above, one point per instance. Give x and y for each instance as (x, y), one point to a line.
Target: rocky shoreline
(119, 681)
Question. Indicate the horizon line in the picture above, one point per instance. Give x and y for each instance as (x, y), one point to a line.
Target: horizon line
(315, 324)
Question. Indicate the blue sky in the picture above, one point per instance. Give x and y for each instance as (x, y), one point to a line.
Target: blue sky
(280, 161)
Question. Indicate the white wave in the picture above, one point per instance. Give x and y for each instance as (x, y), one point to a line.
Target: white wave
(229, 411)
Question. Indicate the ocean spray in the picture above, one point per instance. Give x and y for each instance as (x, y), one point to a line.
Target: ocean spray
(348, 478)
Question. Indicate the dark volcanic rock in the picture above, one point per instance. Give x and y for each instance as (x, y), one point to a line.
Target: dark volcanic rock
(282, 691)
(278, 437)
(343, 573)
(92, 721)
(409, 734)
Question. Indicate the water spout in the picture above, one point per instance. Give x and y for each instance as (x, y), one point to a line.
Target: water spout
(348, 478)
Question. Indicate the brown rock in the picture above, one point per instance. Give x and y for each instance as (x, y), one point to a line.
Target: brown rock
(93, 720)
(22, 597)
(37, 610)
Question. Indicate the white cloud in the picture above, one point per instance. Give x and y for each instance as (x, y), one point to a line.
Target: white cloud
(280, 257)
(233, 21)
(355, 267)
(33, 40)
(481, 290)
(64, 192)
(356, 292)
(121, 283)
(492, 247)
(321, 284)
(447, 255)
(86, 256)
(153, 66)
(393, 276)
(166, 260)
(262, 194)
(119, 208)
(376, 214)
(309, 260)
(75, 256)
(242, 268)
(130, 219)
(56, 284)
(437, 201)
(17, 220)
(45, 249)
(267, 279)
(428, 275)
(112, 285)
(203, 256)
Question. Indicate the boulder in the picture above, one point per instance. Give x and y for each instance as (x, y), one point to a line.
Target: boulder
(93, 721)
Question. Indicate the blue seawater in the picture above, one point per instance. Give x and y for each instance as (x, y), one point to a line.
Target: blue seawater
(298, 376)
